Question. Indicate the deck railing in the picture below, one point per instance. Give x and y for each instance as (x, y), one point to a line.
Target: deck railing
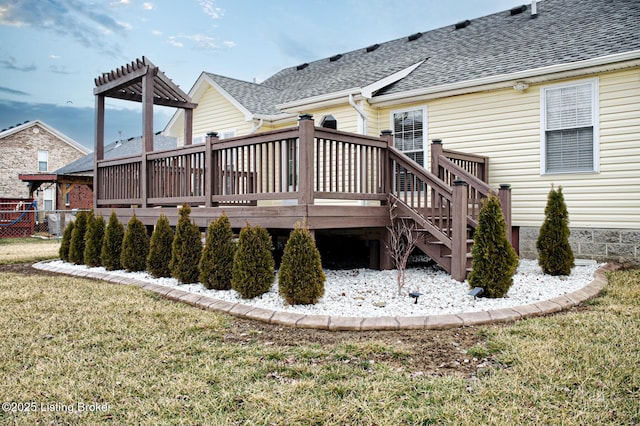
(304, 164)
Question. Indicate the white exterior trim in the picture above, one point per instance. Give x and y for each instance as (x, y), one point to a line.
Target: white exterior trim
(596, 126)
(425, 128)
(369, 90)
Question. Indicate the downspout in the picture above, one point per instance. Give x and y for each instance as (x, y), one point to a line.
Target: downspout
(362, 123)
(257, 126)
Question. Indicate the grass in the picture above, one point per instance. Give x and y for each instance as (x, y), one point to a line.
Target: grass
(20, 250)
(145, 360)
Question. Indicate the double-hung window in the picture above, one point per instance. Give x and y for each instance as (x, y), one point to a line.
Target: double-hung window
(409, 133)
(43, 161)
(569, 131)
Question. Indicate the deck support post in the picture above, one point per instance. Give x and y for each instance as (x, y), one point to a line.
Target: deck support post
(459, 230)
(306, 155)
(386, 263)
(504, 195)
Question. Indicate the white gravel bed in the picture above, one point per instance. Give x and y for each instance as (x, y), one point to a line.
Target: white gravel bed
(371, 293)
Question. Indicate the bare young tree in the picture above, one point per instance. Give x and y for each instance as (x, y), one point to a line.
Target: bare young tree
(402, 240)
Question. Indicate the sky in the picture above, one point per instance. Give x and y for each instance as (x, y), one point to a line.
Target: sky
(51, 50)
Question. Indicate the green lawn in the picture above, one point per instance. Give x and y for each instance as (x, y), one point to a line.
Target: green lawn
(144, 360)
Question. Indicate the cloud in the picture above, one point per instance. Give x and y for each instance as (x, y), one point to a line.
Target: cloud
(156, 33)
(13, 91)
(172, 41)
(84, 22)
(10, 64)
(208, 6)
(59, 70)
(200, 41)
(54, 56)
(147, 6)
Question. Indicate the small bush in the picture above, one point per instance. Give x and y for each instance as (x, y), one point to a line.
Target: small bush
(135, 246)
(112, 244)
(253, 264)
(185, 249)
(216, 262)
(65, 244)
(300, 278)
(494, 259)
(160, 249)
(76, 247)
(93, 240)
(555, 256)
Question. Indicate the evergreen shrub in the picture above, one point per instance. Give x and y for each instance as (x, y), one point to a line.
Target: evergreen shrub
(135, 246)
(160, 249)
(253, 264)
(216, 262)
(555, 255)
(186, 249)
(93, 240)
(76, 247)
(300, 278)
(494, 259)
(112, 244)
(65, 244)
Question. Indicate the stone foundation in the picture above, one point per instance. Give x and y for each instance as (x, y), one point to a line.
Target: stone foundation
(602, 245)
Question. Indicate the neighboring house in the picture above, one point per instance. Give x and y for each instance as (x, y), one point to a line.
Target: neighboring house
(549, 92)
(36, 149)
(75, 180)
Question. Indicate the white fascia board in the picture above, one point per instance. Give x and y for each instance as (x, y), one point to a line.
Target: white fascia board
(196, 92)
(535, 75)
(369, 90)
(283, 117)
(320, 101)
(248, 115)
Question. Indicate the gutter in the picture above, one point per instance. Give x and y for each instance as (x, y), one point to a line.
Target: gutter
(257, 126)
(362, 119)
(536, 75)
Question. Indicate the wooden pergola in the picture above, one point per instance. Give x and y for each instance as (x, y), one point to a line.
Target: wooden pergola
(139, 81)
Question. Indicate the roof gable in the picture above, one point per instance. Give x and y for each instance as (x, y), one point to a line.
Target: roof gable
(28, 124)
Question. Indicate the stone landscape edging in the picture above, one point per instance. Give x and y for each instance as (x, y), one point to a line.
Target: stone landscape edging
(341, 323)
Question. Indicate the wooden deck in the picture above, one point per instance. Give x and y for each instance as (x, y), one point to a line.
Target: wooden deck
(330, 180)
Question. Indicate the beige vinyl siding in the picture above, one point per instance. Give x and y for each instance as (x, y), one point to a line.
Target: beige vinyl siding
(215, 113)
(505, 126)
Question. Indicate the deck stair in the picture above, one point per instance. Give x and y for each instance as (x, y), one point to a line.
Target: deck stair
(443, 205)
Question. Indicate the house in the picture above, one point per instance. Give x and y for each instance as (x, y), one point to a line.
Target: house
(79, 173)
(34, 149)
(548, 91)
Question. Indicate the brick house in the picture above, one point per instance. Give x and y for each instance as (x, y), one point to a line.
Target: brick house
(34, 149)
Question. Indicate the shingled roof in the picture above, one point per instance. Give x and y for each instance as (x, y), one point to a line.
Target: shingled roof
(132, 146)
(562, 32)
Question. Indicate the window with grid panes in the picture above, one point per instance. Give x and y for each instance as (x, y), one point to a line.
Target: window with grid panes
(570, 128)
(408, 136)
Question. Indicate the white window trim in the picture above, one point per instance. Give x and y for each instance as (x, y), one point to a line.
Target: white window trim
(44, 154)
(229, 133)
(425, 128)
(596, 126)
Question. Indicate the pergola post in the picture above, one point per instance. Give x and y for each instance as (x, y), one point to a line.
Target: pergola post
(98, 154)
